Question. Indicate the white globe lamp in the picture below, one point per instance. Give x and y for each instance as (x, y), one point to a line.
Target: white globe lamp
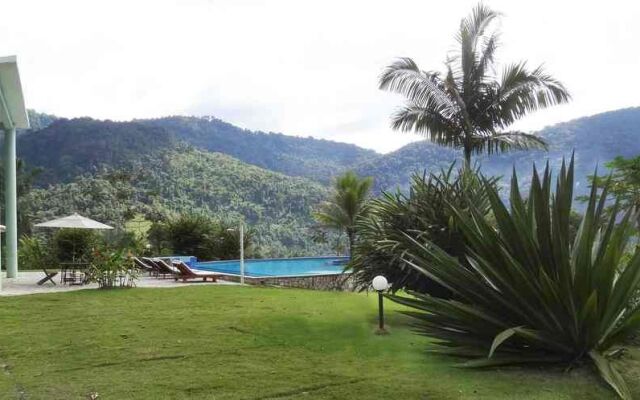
(380, 284)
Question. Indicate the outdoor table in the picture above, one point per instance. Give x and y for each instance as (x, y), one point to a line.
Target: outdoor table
(73, 273)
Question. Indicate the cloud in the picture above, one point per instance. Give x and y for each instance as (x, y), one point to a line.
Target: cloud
(297, 67)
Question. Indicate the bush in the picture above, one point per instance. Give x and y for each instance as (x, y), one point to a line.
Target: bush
(424, 214)
(33, 253)
(197, 235)
(527, 293)
(112, 269)
(73, 245)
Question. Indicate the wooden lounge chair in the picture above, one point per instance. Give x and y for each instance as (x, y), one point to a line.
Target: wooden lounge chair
(188, 273)
(162, 267)
(146, 267)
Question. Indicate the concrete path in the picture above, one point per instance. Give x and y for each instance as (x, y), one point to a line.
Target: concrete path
(25, 283)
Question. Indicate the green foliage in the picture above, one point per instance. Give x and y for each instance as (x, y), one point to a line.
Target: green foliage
(101, 197)
(69, 148)
(73, 245)
(346, 205)
(527, 293)
(39, 121)
(185, 180)
(25, 177)
(424, 213)
(198, 235)
(623, 184)
(467, 105)
(112, 269)
(33, 253)
(598, 137)
(311, 158)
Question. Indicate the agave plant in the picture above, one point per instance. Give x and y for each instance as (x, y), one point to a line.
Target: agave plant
(528, 292)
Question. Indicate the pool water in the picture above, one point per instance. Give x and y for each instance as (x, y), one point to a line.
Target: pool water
(303, 266)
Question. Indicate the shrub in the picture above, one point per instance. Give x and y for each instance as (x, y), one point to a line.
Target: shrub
(73, 245)
(424, 214)
(527, 293)
(198, 235)
(224, 243)
(112, 269)
(33, 253)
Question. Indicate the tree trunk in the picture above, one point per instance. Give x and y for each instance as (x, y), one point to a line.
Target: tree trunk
(351, 236)
(467, 158)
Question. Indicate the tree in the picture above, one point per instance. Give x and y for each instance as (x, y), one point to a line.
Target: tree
(346, 205)
(424, 212)
(470, 106)
(624, 185)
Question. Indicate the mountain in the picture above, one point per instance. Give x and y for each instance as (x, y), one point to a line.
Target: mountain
(595, 140)
(69, 148)
(115, 170)
(295, 156)
(66, 148)
(184, 179)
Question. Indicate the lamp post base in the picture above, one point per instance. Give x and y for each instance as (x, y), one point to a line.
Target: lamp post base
(381, 332)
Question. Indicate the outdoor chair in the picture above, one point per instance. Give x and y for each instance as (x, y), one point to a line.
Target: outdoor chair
(48, 276)
(146, 267)
(188, 273)
(162, 267)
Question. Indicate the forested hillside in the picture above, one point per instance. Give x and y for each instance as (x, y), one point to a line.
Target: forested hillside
(69, 148)
(115, 170)
(186, 180)
(295, 156)
(595, 140)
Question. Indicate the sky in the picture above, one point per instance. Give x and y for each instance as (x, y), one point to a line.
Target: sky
(305, 68)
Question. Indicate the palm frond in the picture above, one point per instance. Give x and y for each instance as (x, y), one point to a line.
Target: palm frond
(521, 91)
(405, 77)
(506, 141)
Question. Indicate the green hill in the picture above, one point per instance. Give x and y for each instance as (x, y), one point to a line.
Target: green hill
(595, 140)
(184, 179)
(295, 156)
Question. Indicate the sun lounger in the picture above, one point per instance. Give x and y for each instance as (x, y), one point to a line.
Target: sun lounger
(162, 267)
(188, 273)
(146, 267)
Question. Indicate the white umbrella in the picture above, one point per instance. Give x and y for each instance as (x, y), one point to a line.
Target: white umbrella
(73, 221)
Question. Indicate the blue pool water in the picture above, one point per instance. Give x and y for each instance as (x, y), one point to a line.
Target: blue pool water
(303, 266)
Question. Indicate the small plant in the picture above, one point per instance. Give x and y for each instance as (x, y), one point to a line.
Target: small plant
(529, 292)
(112, 269)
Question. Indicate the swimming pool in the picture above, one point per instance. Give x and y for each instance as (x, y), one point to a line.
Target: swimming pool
(278, 267)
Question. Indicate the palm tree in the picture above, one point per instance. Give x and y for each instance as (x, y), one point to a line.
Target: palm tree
(470, 106)
(346, 205)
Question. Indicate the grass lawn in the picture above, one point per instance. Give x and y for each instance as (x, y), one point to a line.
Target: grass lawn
(225, 342)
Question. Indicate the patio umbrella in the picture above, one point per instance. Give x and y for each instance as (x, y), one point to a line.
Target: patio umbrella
(73, 221)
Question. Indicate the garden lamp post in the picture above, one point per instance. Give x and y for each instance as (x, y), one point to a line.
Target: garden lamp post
(380, 284)
(241, 231)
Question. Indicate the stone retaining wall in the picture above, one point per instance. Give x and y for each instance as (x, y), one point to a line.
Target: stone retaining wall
(316, 282)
